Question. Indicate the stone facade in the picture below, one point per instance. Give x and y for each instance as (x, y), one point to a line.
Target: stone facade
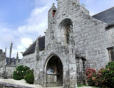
(2, 62)
(7, 65)
(74, 41)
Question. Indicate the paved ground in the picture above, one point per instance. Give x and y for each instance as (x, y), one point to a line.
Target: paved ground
(23, 83)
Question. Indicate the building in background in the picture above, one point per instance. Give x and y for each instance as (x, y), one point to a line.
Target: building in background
(8, 64)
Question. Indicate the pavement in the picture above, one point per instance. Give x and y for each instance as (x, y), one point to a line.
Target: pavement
(23, 83)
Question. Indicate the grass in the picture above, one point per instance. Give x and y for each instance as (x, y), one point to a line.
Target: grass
(81, 85)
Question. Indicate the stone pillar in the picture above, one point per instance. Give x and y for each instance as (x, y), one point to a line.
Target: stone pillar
(73, 76)
(70, 76)
(66, 77)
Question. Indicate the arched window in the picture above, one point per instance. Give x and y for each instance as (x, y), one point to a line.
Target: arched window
(67, 26)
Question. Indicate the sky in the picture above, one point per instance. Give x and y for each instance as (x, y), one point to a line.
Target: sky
(22, 21)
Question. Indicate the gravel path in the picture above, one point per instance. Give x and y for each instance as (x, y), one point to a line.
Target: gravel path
(20, 82)
(23, 83)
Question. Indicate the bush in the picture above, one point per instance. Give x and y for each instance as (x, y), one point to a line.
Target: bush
(20, 72)
(90, 73)
(104, 78)
(29, 77)
(17, 75)
(24, 72)
(108, 75)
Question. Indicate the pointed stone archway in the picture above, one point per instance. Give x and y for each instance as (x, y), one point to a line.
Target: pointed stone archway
(54, 72)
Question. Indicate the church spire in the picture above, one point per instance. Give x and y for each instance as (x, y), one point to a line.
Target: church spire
(6, 52)
(10, 53)
(17, 57)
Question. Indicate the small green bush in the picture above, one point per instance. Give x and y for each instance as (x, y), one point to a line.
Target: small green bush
(29, 77)
(20, 72)
(24, 72)
(17, 75)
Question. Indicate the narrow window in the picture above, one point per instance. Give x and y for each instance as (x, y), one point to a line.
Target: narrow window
(67, 26)
(53, 13)
(111, 53)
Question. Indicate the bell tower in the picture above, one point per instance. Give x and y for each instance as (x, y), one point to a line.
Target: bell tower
(51, 15)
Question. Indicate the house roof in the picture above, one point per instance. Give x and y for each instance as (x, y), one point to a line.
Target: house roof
(31, 49)
(106, 16)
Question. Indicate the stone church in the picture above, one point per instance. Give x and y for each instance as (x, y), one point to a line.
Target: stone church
(73, 42)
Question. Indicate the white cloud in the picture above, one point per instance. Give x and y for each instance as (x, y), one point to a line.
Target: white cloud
(25, 34)
(25, 42)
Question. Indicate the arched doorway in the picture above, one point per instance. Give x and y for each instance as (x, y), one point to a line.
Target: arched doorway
(54, 72)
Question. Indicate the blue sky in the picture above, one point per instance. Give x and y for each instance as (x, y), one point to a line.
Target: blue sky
(22, 21)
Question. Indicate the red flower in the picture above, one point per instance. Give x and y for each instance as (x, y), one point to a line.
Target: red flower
(90, 72)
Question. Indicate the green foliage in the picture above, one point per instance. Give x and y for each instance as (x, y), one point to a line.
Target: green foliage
(29, 77)
(104, 78)
(110, 65)
(20, 72)
(108, 75)
(24, 72)
(81, 85)
(17, 75)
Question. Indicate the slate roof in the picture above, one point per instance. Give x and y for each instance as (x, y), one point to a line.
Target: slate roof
(106, 16)
(41, 43)
(31, 49)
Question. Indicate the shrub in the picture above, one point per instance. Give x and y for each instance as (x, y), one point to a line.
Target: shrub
(29, 77)
(108, 75)
(104, 78)
(20, 72)
(91, 76)
(90, 72)
(16, 75)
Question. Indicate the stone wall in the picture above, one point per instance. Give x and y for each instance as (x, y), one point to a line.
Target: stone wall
(2, 62)
(9, 71)
(2, 58)
(29, 60)
(88, 38)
